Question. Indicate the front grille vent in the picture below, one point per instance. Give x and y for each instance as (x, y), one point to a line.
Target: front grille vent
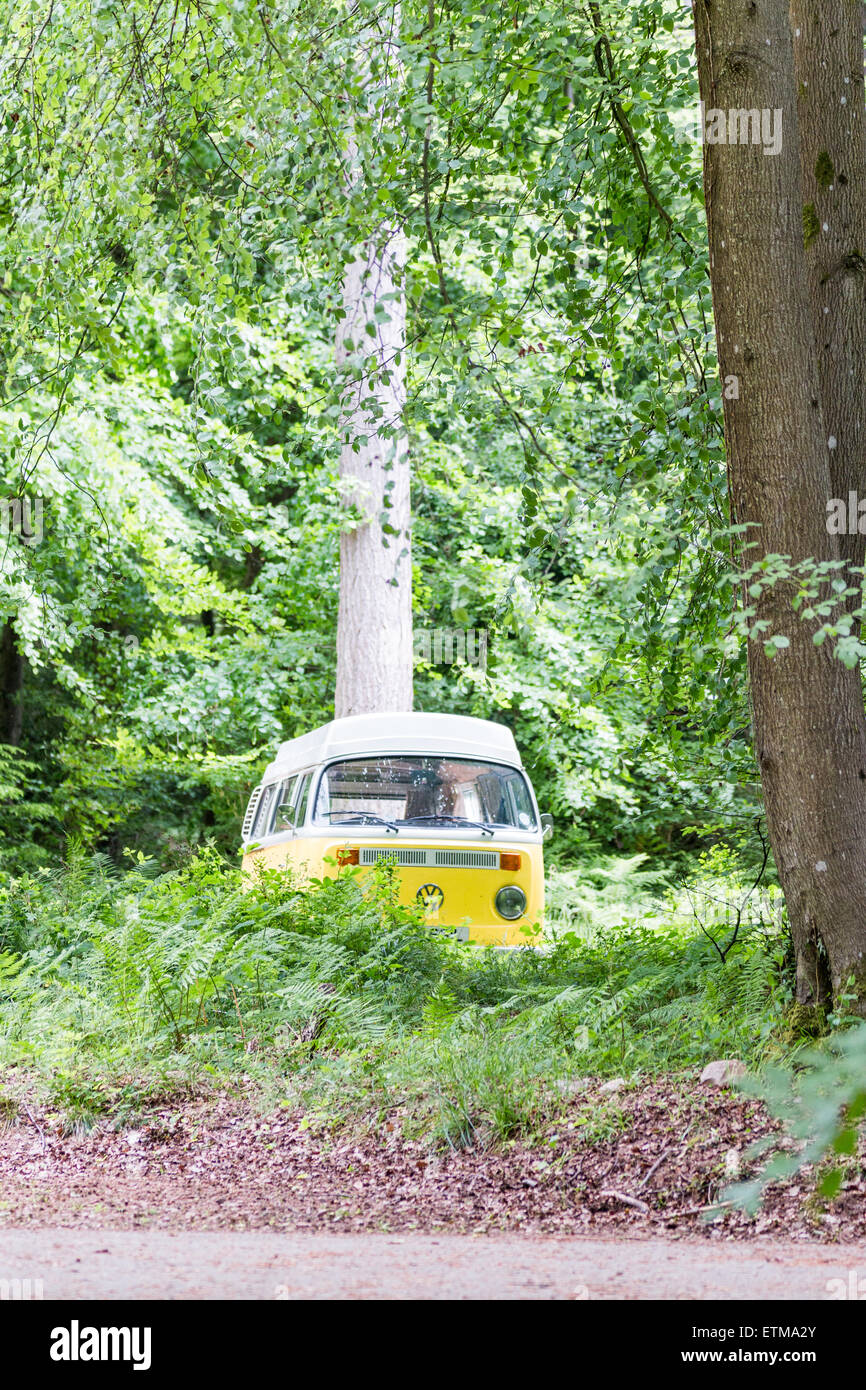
(397, 856)
(467, 858)
(434, 858)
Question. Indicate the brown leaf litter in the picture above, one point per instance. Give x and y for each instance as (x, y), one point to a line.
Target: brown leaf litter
(649, 1158)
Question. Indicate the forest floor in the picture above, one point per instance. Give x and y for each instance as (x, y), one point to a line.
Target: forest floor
(649, 1159)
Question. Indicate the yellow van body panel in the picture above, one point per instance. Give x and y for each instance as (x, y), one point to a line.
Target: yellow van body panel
(466, 894)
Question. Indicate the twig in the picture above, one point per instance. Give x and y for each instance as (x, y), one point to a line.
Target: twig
(667, 1153)
(658, 1163)
(607, 72)
(33, 1120)
(627, 1201)
(238, 1011)
(694, 1211)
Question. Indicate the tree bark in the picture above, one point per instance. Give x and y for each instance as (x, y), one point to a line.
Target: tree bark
(807, 709)
(831, 110)
(11, 686)
(374, 622)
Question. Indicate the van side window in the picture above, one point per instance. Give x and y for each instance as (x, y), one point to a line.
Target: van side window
(303, 798)
(522, 813)
(265, 812)
(285, 797)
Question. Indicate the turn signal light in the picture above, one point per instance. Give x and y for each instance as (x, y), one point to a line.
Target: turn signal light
(348, 856)
(511, 862)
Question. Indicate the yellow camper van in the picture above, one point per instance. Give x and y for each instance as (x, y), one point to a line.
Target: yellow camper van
(442, 796)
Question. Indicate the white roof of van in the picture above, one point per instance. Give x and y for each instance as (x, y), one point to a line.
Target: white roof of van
(362, 734)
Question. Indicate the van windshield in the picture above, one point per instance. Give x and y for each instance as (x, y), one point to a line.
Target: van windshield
(416, 790)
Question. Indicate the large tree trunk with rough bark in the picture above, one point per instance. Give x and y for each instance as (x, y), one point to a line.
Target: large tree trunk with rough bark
(831, 110)
(785, 461)
(374, 624)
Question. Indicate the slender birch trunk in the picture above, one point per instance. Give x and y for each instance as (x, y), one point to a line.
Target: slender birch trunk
(374, 624)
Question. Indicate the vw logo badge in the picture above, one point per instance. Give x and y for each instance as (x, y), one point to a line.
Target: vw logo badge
(430, 896)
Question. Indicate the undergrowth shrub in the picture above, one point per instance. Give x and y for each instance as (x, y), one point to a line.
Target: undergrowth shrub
(342, 995)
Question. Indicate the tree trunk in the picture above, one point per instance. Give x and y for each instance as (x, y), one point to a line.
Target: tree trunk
(11, 686)
(831, 109)
(374, 623)
(807, 709)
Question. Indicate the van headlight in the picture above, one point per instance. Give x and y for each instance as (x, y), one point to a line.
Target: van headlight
(510, 902)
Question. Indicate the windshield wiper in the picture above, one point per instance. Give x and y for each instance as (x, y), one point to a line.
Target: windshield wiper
(454, 820)
(367, 818)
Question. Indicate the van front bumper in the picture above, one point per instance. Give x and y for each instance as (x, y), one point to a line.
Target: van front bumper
(505, 934)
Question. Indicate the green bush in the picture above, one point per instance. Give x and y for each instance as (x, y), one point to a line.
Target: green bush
(340, 996)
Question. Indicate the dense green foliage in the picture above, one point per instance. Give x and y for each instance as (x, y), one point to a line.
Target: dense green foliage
(175, 219)
(170, 300)
(111, 981)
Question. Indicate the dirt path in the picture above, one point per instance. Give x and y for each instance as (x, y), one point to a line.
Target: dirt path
(85, 1264)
